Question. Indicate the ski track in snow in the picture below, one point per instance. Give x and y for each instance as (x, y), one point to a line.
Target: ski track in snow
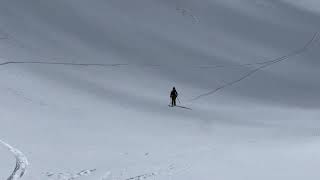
(59, 63)
(188, 12)
(296, 52)
(168, 171)
(173, 167)
(171, 170)
(21, 162)
(132, 65)
(261, 65)
(70, 176)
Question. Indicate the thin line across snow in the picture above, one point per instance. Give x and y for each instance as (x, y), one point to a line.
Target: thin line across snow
(59, 63)
(261, 64)
(133, 65)
(265, 64)
(21, 162)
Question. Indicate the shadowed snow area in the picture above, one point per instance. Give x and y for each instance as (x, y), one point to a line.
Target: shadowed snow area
(85, 89)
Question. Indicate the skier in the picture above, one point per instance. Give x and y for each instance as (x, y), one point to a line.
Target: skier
(173, 96)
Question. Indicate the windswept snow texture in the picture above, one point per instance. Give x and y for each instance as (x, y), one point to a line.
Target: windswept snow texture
(85, 85)
(21, 162)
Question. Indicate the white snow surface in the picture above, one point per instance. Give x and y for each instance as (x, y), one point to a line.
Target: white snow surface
(85, 89)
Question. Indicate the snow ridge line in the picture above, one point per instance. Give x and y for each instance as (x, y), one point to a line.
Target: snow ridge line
(265, 64)
(21, 162)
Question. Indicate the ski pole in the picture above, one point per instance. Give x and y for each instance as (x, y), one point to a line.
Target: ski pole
(178, 100)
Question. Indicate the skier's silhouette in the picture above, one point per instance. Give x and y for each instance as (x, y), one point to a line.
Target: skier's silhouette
(173, 96)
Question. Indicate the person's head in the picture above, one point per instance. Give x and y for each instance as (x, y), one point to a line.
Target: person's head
(174, 88)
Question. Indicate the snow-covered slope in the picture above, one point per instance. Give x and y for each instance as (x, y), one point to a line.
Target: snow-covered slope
(85, 84)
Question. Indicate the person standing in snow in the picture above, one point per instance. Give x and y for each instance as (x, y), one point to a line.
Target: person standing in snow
(173, 96)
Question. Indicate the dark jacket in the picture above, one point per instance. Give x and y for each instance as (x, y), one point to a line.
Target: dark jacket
(174, 94)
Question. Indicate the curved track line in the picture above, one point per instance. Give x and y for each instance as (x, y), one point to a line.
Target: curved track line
(21, 162)
(265, 64)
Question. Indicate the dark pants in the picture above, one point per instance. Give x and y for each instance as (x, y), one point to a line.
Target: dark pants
(173, 101)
